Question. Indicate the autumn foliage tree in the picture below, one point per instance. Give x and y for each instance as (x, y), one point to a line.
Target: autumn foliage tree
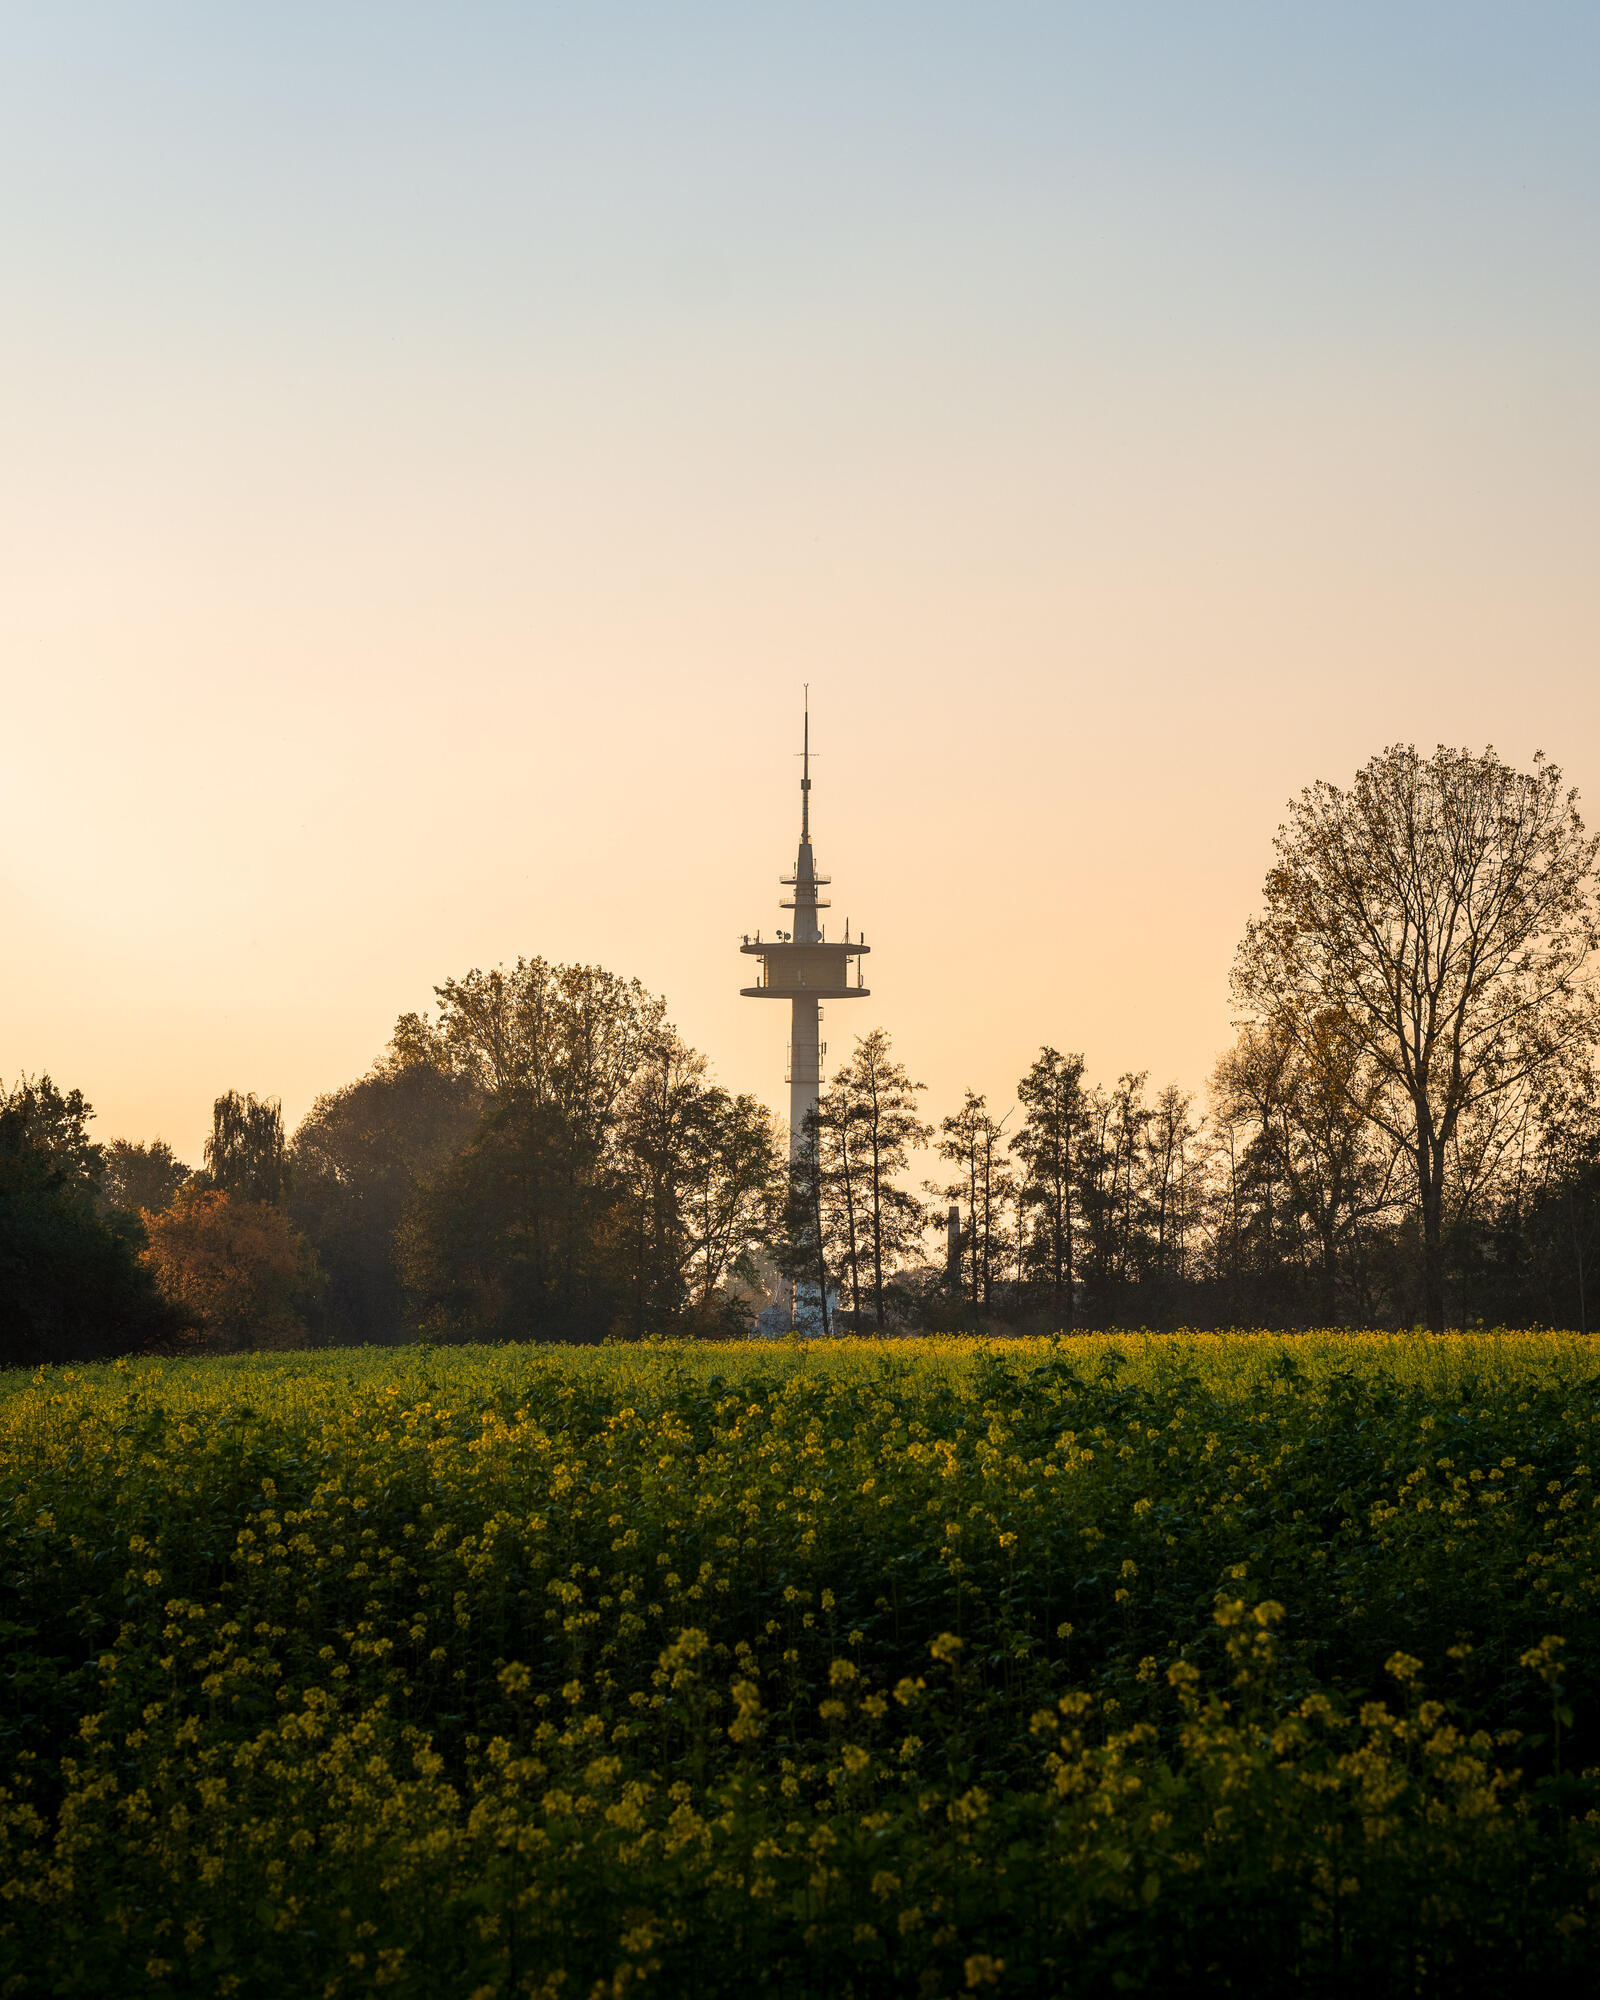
(237, 1267)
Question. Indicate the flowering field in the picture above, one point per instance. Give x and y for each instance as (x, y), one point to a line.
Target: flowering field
(1158, 1665)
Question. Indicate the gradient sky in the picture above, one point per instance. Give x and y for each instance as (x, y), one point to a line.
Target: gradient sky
(436, 442)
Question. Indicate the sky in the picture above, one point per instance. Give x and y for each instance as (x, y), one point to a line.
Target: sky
(437, 444)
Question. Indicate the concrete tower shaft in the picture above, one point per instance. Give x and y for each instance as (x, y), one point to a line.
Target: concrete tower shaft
(802, 967)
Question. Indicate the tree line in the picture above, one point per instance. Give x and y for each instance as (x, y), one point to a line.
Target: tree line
(543, 1157)
(1406, 1129)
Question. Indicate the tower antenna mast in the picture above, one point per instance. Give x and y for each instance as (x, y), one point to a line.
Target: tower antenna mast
(802, 966)
(805, 770)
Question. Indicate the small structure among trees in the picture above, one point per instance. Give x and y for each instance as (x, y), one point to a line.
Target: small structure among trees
(1406, 1128)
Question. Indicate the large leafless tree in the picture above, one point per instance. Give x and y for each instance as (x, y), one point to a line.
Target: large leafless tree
(1444, 908)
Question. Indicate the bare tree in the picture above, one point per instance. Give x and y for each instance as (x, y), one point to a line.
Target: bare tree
(1445, 908)
(1309, 1166)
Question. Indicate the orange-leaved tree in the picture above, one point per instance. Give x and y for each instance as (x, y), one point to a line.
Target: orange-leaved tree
(239, 1267)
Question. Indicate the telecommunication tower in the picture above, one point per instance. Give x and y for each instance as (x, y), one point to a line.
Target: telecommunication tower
(803, 967)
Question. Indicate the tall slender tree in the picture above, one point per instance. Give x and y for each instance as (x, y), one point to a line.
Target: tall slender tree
(1169, 1152)
(838, 1169)
(870, 1115)
(1046, 1144)
(970, 1140)
(1111, 1181)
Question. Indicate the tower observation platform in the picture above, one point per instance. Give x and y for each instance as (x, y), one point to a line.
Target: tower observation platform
(805, 967)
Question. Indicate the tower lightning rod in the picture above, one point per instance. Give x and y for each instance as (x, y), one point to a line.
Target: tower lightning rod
(805, 770)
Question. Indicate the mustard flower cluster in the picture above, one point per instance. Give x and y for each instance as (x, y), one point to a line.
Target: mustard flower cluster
(1081, 1667)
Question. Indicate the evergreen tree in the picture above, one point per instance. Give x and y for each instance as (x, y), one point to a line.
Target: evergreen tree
(1111, 1185)
(1051, 1097)
(868, 1126)
(970, 1141)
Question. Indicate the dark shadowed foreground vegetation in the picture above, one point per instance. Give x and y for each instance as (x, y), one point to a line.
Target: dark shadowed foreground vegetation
(1206, 1665)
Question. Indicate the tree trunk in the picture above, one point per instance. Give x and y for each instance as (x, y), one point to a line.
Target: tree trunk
(822, 1253)
(877, 1226)
(988, 1225)
(972, 1214)
(847, 1175)
(1430, 1186)
(1330, 1274)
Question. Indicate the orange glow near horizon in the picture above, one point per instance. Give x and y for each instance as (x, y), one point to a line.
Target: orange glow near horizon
(414, 559)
